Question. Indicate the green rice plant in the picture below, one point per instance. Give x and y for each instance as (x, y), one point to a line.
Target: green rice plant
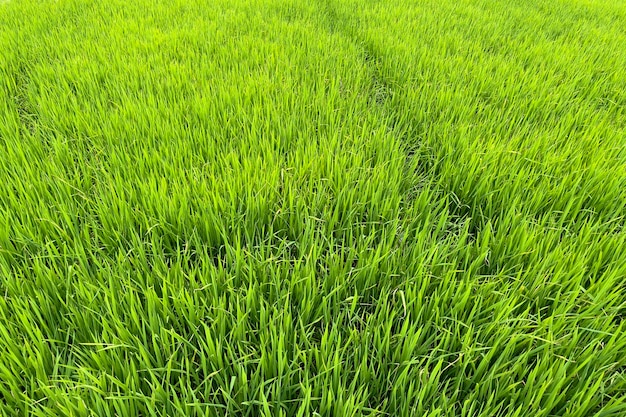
(335, 208)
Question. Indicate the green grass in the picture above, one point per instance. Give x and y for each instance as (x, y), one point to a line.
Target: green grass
(332, 208)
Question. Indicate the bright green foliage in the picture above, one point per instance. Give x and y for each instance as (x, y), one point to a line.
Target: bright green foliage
(299, 208)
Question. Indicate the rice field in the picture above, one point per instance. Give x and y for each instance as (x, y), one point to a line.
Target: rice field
(324, 208)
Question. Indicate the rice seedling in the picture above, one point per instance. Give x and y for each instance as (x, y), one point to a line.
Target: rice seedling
(334, 208)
